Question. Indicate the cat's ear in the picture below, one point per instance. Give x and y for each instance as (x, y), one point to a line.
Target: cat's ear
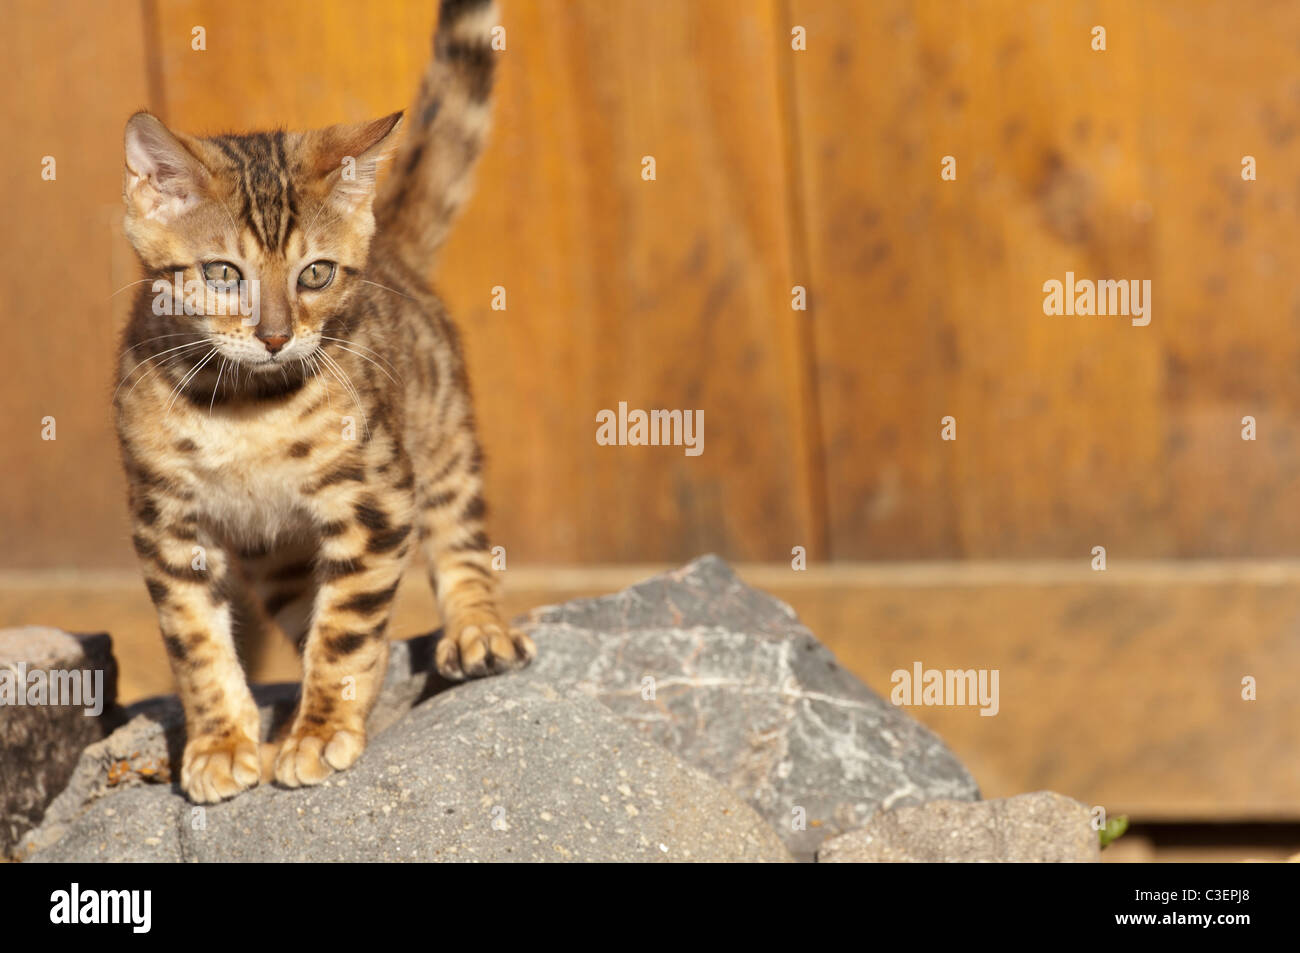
(163, 178)
(346, 158)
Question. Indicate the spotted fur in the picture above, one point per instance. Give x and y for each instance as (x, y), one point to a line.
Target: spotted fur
(284, 466)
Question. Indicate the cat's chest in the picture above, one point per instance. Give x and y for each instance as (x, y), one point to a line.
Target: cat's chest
(245, 453)
(249, 471)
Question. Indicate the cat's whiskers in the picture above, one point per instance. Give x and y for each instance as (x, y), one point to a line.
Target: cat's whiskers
(386, 288)
(154, 357)
(342, 376)
(189, 376)
(184, 379)
(217, 385)
(127, 376)
(351, 343)
(131, 285)
(314, 364)
(159, 337)
(344, 345)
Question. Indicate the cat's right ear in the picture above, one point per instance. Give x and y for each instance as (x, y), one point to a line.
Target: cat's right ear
(163, 178)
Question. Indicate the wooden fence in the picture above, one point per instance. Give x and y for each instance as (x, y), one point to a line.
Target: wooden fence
(775, 168)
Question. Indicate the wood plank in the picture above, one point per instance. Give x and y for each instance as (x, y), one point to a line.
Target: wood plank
(1072, 431)
(76, 72)
(1228, 250)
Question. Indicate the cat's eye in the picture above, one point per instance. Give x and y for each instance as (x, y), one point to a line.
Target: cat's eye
(221, 273)
(316, 275)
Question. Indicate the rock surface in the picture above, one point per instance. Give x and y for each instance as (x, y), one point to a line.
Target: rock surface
(152, 736)
(41, 742)
(497, 770)
(745, 692)
(693, 661)
(1030, 828)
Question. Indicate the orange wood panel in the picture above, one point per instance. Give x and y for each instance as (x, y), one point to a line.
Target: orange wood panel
(75, 71)
(1072, 431)
(775, 167)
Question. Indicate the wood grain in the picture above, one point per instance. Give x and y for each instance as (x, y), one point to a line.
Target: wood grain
(75, 73)
(775, 168)
(1072, 431)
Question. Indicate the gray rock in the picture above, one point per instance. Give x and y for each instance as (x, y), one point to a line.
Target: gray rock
(41, 742)
(503, 769)
(1030, 828)
(745, 692)
(149, 743)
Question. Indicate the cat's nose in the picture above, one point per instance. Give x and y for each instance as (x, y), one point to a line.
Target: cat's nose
(274, 342)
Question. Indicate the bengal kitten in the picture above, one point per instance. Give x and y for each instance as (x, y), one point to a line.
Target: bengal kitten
(299, 453)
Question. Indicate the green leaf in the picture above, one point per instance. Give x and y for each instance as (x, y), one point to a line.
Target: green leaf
(1114, 830)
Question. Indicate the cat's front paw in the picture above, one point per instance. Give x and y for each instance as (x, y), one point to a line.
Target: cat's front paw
(310, 754)
(478, 644)
(215, 767)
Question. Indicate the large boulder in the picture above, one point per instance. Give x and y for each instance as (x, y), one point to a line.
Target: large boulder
(726, 677)
(1030, 828)
(496, 770)
(57, 692)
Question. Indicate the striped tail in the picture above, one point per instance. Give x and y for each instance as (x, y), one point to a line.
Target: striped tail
(446, 129)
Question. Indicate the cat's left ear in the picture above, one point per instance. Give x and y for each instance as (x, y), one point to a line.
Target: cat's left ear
(346, 158)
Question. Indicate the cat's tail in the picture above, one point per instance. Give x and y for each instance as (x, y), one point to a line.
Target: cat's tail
(445, 131)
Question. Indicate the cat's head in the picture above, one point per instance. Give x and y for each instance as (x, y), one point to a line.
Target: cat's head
(271, 228)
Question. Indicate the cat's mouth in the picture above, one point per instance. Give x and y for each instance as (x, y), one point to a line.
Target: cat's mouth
(275, 362)
(272, 354)
(268, 364)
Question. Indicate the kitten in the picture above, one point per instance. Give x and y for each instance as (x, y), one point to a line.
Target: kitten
(298, 455)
